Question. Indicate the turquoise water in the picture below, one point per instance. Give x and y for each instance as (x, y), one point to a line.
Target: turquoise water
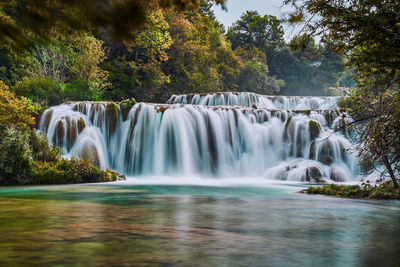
(125, 224)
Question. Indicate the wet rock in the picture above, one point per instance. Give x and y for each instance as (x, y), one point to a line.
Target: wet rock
(289, 131)
(81, 124)
(47, 119)
(59, 135)
(312, 150)
(314, 174)
(315, 129)
(337, 175)
(72, 132)
(97, 115)
(126, 106)
(254, 106)
(161, 109)
(325, 159)
(111, 117)
(89, 152)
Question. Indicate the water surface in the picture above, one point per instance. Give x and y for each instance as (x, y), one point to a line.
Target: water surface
(125, 224)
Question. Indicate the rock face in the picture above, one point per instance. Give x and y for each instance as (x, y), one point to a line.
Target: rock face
(126, 106)
(315, 129)
(325, 159)
(48, 115)
(325, 153)
(314, 174)
(81, 125)
(89, 152)
(97, 110)
(59, 136)
(111, 117)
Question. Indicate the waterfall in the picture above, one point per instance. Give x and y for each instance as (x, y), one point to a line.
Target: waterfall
(257, 101)
(220, 135)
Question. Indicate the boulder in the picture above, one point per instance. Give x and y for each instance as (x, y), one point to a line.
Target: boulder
(325, 159)
(315, 129)
(314, 174)
(59, 135)
(81, 124)
(111, 117)
(89, 151)
(337, 175)
(48, 115)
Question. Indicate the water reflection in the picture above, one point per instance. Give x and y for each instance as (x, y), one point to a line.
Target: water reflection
(174, 225)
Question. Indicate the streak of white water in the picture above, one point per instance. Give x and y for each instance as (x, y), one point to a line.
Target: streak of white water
(260, 101)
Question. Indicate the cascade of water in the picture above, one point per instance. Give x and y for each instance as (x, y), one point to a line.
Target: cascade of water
(155, 139)
(255, 100)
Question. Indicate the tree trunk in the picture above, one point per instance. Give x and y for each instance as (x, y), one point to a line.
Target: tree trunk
(389, 168)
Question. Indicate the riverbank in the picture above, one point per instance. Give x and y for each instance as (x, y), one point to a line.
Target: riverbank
(367, 191)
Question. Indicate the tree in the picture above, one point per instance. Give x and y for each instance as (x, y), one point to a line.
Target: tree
(369, 32)
(15, 111)
(20, 18)
(253, 30)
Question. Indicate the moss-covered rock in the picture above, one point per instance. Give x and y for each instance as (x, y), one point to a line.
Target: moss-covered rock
(315, 129)
(111, 117)
(126, 106)
(81, 124)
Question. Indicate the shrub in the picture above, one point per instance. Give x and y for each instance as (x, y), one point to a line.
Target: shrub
(40, 90)
(15, 155)
(80, 90)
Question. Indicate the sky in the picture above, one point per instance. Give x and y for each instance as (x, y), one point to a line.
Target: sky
(264, 7)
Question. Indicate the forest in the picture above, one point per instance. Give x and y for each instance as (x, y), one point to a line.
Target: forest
(173, 52)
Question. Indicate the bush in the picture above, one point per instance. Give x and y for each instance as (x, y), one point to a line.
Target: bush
(15, 156)
(384, 190)
(68, 171)
(82, 90)
(40, 90)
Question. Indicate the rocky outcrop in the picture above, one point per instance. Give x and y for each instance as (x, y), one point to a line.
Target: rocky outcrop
(315, 129)
(314, 174)
(89, 151)
(111, 117)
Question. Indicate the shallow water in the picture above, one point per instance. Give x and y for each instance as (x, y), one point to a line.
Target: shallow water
(125, 224)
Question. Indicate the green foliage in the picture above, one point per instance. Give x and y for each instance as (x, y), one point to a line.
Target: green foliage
(306, 68)
(15, 111)
(66, 171)
(122, 18)
(27, 158)
(15, 154)
(385, 190)
(40, 90)
(79, 90)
